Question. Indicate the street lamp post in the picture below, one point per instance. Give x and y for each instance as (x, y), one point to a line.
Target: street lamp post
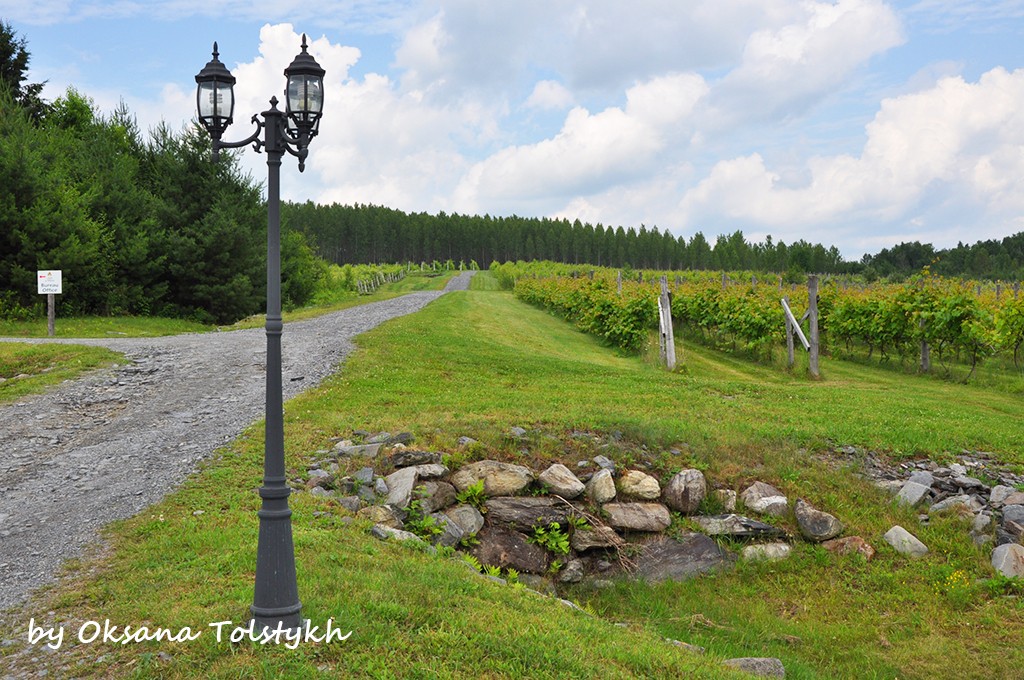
(276, 597)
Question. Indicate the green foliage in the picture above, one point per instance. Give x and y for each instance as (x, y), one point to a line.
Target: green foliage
(420, 522)
(474, 495)
(551, 537)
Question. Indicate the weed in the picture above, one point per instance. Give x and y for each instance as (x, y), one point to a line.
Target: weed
(551, 537)
(420, 522)
(474, 495)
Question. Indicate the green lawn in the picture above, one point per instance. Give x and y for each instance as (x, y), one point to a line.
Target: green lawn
(27, 369)
(476, 363)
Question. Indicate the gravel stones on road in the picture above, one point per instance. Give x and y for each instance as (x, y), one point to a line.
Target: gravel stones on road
(108, 445)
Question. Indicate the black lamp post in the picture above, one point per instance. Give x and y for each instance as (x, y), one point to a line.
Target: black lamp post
(276, 597)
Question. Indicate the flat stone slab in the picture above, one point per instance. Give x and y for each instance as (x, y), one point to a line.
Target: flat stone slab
(736, 525)
(595, 537)
(1008, 559)
(526, 512)
(638, 516)
(501, 547)
(905, 542)
(765, 667)
(669, 559)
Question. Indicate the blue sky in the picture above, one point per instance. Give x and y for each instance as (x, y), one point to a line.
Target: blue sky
(859, 123)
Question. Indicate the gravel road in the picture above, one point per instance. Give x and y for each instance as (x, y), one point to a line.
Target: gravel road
(116, 441)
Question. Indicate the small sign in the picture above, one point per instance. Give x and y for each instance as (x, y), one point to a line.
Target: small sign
(49, 282)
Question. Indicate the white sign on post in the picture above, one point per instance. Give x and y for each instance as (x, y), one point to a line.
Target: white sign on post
(49, 282)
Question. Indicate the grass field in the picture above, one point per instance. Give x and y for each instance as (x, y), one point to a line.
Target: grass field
(28, 369)
(479, 362)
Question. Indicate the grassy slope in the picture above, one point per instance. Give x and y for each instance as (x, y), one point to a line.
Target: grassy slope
(476, 363)
(45, 365)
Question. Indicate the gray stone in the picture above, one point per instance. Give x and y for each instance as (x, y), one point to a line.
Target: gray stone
(848, 545)
(501, 547)
(638, 516)
(999, 494)
(516, 433)
(595, 537)
(601, 487)
(408, 457)
(319, 491)
(379, 438)
(380, 486)
(526, 512)
(561, 481)
(764, 667)
(770, 552)
(961, 504)
(816, 525)
(1013, 513)
(736, 525)
(500, 479)
(364, 475)
(970, 484)
(367, 494)
(890, 486)
(381, 514)
(671, 559)
(727, 497)
(435, 496)
(957, 470)
(400, 438)
(765, 499)
(904, 542)
(400, 486)
(982, 523)
(384, 532)
(636, 484)
(367, 450)
(1008, 559)
(350, 503)
(572, 572)
(1016, 498)
(318, 473)
(467, 517)
(685, 491)
(452, 533)
(431, 471)
(463, 442)
(922, 477)
(605, 463)
(912, 493)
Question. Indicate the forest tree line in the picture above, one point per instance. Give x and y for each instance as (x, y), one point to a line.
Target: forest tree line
(360, 234)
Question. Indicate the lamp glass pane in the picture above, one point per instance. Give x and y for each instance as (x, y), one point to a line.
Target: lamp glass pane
(305, 95)
(207, 99)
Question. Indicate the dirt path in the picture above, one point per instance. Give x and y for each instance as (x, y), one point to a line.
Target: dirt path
(106, 446)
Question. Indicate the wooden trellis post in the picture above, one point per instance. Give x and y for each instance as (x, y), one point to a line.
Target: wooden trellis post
(668, 343)
(812, 312)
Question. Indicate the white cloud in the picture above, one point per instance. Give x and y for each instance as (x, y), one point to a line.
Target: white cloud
(549, 95)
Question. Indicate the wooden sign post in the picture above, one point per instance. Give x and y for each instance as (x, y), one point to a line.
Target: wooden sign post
(49, 283)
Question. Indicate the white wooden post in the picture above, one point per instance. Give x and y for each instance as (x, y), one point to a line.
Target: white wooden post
(812, 295)
(789, 332)
(618, 281)
(668, 343)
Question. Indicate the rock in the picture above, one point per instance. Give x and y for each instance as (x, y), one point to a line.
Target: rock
(961, 504)
(501, 547)
(816, 525)
(727, 497)
(676, 560)
(912, 493)
(957, 470)
(350, 503)
(320, 491)
(526, 512)
(982, 523)
(467, 517)
(605, 463)
(1016, 498)
(904, 542)
(400, 438)
(636, 484)
(685, 491)
(970, 484)
(367, 450)
(1008, 559)
(1013, 513)
(766, 551)
(561, 481)
(1014, 531)
(601, 487)
(380, 486)
(464, 442)
(764, 667)
(638, 516)
(736, 525)
(435, 496)
(408, 457)
(922, 477)
(431, 471)
(364, 475)
(500, 479)
(765, 499)
(381, 514)
(890, 486)
(596, 537)
(452, 533)
(384, 532)
(1000, 493)
(400, 487)
(379, 438)
(848, 545)
(572, 572)
(516, 433)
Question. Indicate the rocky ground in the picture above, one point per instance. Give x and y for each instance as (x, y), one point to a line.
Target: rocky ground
(116, 441)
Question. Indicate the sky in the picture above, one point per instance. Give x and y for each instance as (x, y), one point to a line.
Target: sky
(856, 123)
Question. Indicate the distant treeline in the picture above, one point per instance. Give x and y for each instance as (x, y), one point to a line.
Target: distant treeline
(359, 234)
